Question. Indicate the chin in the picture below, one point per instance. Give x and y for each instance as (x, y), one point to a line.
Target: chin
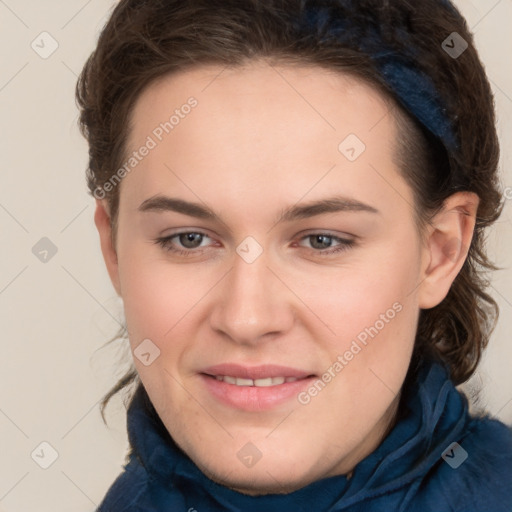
(259, 484)
(283, 472)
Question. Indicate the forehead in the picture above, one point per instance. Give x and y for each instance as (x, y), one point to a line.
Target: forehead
(258, 124)
(306, 90)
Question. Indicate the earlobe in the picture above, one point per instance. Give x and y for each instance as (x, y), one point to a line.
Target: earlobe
(102, 221)
(450, 235)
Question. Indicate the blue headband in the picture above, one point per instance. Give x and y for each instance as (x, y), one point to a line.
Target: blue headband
(412, 87)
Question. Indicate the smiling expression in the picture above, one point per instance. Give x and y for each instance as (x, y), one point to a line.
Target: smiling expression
(256, 241)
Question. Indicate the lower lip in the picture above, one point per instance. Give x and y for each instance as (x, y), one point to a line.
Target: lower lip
(252, 398)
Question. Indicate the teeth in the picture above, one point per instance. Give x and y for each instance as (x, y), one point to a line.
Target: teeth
(263, 383)
(259, 383)
(244, 382)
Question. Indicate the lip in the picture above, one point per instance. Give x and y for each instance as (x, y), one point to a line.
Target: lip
(252, 398)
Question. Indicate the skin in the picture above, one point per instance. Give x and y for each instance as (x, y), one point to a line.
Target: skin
(261, 139)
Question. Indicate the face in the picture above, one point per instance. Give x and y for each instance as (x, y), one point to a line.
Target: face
(272, 324)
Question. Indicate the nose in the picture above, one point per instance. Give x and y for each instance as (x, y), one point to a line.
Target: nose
(252, 303)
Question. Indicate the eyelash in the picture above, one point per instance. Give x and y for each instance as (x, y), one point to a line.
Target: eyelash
(165, 243)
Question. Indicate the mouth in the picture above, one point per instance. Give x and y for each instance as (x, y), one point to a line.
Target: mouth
(254, 388)
(258, 383)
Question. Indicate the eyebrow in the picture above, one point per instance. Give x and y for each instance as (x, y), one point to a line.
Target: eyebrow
(333, 204)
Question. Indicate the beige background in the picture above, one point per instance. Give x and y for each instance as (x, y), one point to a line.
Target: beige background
(55, 316)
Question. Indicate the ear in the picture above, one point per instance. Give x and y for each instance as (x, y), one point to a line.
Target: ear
(448, 240)
(102, 221)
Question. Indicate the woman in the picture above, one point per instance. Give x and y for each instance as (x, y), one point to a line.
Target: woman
(291, 198)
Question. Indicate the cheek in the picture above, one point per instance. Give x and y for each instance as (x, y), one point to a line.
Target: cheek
(151, 300)
(158, 296)
(147, 301)
(373, 314)
(370, 301)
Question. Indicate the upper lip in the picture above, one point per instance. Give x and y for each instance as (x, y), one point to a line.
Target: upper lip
(255, 372)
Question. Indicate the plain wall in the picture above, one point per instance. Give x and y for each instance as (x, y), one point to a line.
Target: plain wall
(56, 315)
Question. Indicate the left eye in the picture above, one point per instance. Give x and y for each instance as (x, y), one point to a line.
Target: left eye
(322, 238)
(191, 241)
(187, 239)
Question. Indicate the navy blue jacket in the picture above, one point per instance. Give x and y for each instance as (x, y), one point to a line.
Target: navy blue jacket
(416, 468)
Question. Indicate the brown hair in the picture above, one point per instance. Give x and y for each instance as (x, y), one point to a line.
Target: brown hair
(147, 39)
